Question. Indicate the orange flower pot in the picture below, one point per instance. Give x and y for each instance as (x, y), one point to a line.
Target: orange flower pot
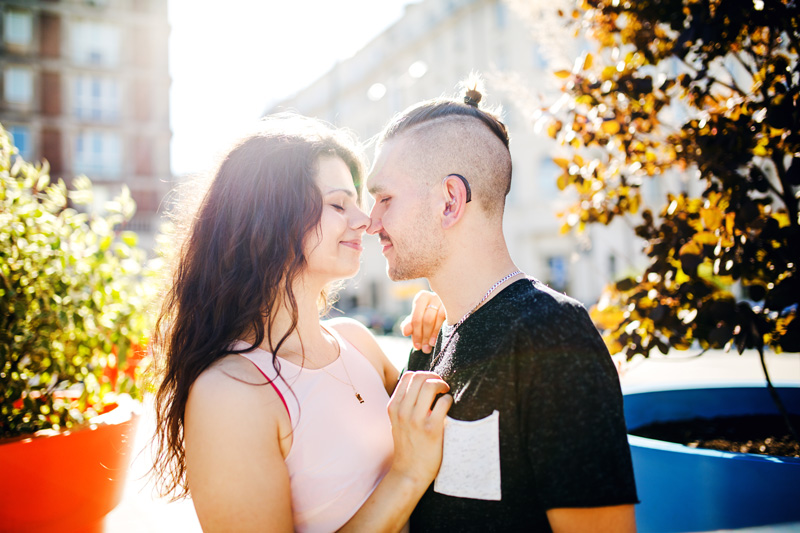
(67, 481)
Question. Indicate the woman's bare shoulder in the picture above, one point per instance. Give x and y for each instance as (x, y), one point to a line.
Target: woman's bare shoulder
(359, 336)
(356, 334)
(234, 385)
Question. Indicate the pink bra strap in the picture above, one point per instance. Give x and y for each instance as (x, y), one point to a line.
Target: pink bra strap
(272, 382)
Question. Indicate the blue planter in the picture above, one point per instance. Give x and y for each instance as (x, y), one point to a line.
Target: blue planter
(690, 489)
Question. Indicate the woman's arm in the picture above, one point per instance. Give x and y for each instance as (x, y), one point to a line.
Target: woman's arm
(417, 431)
(236, 433)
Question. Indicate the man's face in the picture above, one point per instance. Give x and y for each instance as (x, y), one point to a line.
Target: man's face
(403, 216)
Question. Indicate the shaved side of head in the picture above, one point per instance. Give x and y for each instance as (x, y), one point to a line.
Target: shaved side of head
(460, 145)
(444, 136)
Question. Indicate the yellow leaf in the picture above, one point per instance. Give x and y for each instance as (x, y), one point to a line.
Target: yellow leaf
(562, 162)
(705, 237)
(712, 218)
(782, 218)
(562, 73)
(587, 63)
(611, 127)
(690, 247)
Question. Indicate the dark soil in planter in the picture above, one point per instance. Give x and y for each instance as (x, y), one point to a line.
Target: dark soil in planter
(761, 434)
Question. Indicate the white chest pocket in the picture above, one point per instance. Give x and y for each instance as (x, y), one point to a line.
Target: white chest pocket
(471, 459)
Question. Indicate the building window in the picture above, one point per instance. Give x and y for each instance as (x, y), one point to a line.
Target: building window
(18, 85)
(500, 15)
(94, 43)
(21, 137)
(549, 172)
(98, 154)
(96, 99)
(558, 273)
(18, 27)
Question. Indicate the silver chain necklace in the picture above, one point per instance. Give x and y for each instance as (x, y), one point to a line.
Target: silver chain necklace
(469, 313)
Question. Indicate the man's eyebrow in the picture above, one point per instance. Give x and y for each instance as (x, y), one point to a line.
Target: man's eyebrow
(376, 189)
(348, 192)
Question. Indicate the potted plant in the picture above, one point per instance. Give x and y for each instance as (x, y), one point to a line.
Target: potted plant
(683, 121)
(73, 295)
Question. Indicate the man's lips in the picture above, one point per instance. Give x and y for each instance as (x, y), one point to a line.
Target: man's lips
(355, 245)
(386, 242)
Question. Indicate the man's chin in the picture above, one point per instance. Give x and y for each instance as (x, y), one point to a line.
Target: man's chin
(396, 274)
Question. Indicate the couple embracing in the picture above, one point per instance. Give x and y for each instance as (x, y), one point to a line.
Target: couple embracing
(273, 420)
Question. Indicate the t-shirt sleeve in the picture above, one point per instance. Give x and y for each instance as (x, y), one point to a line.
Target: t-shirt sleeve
(571, 412)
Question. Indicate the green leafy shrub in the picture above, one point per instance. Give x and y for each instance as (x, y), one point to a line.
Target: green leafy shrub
(73, 295)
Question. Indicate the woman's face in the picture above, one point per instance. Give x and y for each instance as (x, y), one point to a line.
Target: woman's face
(334, 251)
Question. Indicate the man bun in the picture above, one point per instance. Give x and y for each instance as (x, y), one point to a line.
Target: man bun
(473, 90)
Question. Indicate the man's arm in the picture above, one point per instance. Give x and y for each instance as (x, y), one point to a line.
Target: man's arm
(616, 519)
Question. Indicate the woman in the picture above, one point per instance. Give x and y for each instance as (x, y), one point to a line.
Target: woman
(271, 419)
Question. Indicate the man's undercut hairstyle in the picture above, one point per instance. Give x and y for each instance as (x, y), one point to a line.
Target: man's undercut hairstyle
(458, 136)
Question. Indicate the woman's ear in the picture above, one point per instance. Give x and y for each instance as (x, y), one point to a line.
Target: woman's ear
(456, 193)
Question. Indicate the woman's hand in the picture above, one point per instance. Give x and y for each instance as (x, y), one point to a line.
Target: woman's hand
(418, 433)
(425, 321)
(417, 426)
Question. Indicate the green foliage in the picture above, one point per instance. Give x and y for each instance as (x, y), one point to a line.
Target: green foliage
(708, 92)
(72, 301)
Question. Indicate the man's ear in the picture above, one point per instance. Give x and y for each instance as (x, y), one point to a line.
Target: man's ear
(456, 196)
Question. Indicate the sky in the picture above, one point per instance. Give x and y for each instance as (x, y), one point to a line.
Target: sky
(229, 61)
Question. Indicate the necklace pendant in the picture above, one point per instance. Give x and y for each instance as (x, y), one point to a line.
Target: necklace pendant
(359, 398)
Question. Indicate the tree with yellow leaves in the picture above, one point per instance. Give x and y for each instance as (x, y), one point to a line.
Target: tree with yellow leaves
(708, 91)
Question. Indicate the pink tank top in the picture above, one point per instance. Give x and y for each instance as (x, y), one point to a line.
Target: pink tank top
(341, 449)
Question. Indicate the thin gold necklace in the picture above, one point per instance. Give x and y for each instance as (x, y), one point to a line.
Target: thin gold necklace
(338, 356)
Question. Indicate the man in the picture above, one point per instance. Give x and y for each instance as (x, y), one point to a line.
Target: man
(537, 440)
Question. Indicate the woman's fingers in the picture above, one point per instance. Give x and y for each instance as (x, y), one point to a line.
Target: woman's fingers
(439, 411)
(431, 325)
(426, 396)
(425, 320)
(414, 395)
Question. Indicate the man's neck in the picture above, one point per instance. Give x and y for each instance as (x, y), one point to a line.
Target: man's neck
(462, 282)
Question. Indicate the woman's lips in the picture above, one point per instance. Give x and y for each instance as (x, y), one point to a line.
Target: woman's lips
(355, 245)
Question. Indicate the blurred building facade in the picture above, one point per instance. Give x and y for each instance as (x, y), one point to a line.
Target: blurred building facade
(85, 85)
(425, 54)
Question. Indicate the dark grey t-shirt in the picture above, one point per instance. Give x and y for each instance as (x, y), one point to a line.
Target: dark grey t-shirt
(533, 355)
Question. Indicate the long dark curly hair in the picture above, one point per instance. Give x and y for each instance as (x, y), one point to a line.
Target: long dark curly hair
(238, 254)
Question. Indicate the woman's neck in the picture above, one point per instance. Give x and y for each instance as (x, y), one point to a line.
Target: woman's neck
(307, 337)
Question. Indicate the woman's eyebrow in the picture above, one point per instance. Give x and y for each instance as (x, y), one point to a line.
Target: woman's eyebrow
(348, 192)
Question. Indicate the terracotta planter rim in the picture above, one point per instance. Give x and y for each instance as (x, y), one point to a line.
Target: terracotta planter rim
(125, 409)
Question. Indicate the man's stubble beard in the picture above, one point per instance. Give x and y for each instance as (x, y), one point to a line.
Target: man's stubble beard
(419, 256)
